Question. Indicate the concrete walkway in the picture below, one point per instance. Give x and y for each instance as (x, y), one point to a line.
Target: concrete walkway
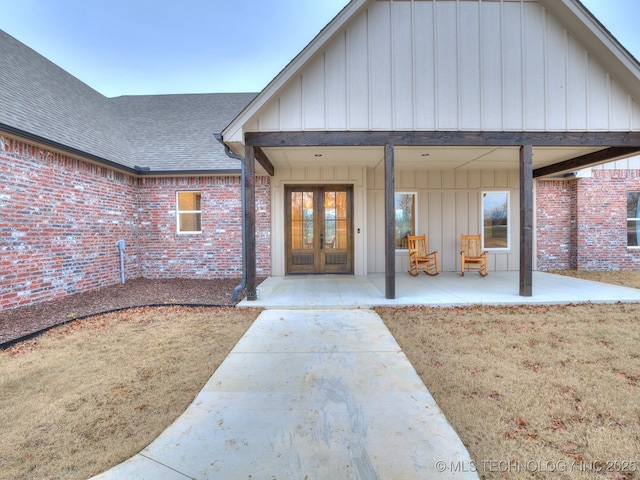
(308, 394)
(318, 388)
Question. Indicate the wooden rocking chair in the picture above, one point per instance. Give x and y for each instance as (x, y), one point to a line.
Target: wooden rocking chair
(419, 256)
(472, 255)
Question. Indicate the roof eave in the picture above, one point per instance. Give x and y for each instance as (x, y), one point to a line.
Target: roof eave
(67, 149)
(137, 171)
(190, 173)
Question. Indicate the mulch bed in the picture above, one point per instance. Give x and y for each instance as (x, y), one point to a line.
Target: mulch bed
(20, 322)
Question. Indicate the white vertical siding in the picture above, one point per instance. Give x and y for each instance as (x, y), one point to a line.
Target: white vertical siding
(336, 84)
(534, 69)
(577, 76)
(291, 107)
(448, 205)
(314, 101)
(380, 65)
(424, 61)
(446, 65)
(357, 71)
(449, 65)
(471, 81)
(512, 68)
(556, 72)
(491, 66)
(631, 163)
(598, 97)
(403, 67)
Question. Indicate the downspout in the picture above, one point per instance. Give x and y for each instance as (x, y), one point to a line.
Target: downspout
(121, 248)
(232, 154)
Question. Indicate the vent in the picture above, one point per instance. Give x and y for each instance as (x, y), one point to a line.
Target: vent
(335, 259)
(302, 259)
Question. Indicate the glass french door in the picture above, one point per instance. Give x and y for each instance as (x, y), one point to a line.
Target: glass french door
(319, 236)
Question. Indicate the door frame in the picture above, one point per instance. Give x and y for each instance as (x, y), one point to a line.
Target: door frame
(320, 264)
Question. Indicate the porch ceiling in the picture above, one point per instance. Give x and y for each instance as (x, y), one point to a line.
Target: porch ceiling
(421, 158)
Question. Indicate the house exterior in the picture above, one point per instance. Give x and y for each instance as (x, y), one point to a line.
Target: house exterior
(587, 220)
(440, 117)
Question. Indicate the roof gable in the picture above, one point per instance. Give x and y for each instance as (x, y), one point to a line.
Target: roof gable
(447, 65)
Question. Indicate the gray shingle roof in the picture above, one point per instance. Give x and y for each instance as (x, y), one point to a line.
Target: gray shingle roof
(175, 132)
(161, 132)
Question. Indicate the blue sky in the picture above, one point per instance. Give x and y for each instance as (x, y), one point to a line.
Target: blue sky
(143, 47)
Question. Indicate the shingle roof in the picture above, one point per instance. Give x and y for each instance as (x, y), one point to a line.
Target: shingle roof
(175, 132)
(160, 132)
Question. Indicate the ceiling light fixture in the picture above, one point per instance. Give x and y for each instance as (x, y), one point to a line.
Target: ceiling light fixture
(318, 155)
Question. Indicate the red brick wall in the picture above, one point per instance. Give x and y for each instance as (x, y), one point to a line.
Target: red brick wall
(217, 251)
(60, 219)
(555, 224)
(582, 223)
(602, 221)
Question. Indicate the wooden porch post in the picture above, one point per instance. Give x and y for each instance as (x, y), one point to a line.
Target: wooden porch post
(526, 220)
(250, 221)
(389, 222)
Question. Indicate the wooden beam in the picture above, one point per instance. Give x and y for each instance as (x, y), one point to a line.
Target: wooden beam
(249, 240)
(265, 162)
(526, 221)
(584, 161)
(453, 138)
(389, 223)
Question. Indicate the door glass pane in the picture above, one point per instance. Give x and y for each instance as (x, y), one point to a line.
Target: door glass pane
(341, 220)
(302, 234)
(308, 214)
(335, 220)
(329, 219)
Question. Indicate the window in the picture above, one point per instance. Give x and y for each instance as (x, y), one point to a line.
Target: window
(495, 220)
(189, 212)
(633, 219)
(405, 207)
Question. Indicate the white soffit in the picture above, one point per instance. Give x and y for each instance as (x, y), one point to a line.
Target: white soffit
(421, 158)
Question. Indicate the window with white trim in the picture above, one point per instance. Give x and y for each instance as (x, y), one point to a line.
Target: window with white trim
(496, 222)
(633, 219)
(405, 208)
(188, 212)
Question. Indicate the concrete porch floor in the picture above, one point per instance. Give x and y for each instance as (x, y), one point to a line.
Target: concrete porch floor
(446, 289)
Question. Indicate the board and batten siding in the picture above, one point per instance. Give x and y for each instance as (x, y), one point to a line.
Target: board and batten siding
(631, 163)
(448, 204)
(452, 65)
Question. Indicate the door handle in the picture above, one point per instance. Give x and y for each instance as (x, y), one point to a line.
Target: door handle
(321, 241)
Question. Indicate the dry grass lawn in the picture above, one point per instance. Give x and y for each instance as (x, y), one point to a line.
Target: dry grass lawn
(625, 278)
(533, 392)
(90, 394)
(552, 389)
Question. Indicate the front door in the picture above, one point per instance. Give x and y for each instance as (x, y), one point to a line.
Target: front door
(319, 236)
